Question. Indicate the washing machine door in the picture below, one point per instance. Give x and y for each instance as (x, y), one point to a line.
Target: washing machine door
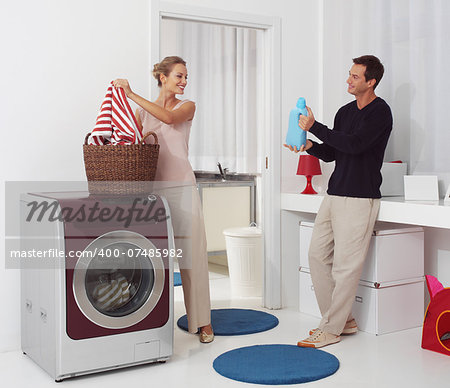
(118, 279)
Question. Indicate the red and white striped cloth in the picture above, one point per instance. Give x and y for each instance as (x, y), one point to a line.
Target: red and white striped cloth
(116, 123)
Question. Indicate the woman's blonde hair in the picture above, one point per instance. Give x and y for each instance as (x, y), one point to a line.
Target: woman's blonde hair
(165, 67)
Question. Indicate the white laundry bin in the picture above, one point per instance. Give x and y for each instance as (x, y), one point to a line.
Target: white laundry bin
(245, 260)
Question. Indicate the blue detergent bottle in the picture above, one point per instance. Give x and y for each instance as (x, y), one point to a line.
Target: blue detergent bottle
(296, 137)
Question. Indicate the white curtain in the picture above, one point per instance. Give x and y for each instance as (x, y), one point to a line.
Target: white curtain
(224, 80)
(411, 39)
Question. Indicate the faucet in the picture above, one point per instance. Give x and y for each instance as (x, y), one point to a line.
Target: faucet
(223, 171)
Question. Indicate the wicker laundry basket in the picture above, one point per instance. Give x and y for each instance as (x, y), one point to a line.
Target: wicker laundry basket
(120, 169)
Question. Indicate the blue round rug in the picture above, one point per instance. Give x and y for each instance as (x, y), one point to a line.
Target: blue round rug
(236, 321)
(176, 279)
(276, 364)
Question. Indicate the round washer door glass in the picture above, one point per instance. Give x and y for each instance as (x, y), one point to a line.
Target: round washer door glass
(116, 284)
(119, 279)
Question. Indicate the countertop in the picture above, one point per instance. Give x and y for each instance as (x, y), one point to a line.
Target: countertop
(392, 209)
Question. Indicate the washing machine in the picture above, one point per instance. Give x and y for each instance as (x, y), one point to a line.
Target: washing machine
(96, 281)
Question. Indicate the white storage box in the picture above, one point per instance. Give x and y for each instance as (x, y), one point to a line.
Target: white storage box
(392, 184)
(394, 255)
(306, 229)
(307, 297)
(421, 188)
(397, 306)
(390, 296)
(388, 309)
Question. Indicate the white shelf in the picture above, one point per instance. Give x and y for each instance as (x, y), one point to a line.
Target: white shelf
(392, 209)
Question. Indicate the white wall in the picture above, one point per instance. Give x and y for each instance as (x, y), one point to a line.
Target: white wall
(61, 56)
(355, 28)
(58, 57)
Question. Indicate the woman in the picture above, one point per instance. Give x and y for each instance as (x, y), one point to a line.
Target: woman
(171, 119)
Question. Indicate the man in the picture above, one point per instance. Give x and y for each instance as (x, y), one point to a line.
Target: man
(345, 221)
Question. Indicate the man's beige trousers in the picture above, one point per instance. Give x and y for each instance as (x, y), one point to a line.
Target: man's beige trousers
(339, 245)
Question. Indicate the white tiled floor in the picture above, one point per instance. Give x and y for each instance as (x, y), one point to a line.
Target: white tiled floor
(392, 360)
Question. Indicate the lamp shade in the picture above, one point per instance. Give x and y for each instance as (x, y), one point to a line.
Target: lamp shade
(308, 165)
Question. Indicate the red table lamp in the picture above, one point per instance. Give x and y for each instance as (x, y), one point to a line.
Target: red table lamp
(308, 166)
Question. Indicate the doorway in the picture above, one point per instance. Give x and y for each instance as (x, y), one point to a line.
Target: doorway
(268, 127)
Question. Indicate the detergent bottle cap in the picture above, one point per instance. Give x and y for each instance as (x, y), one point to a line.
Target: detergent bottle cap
(301, 103)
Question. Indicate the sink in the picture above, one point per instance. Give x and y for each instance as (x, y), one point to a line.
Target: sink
(203, 176)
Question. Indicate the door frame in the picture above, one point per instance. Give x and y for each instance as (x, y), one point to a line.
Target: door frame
(271, 176)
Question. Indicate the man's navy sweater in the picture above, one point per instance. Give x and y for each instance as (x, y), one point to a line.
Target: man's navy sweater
(357, 144)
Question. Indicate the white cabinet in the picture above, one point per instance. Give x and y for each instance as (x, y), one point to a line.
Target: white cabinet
(224, 207)
(226, 204)
(390, 294)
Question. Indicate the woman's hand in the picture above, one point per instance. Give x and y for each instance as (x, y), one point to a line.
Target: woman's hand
(123, 83)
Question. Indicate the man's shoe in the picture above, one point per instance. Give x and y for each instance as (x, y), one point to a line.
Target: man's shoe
(350, 328)
(319, 339)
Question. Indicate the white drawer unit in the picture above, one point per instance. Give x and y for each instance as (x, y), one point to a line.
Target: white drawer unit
(390, 295)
